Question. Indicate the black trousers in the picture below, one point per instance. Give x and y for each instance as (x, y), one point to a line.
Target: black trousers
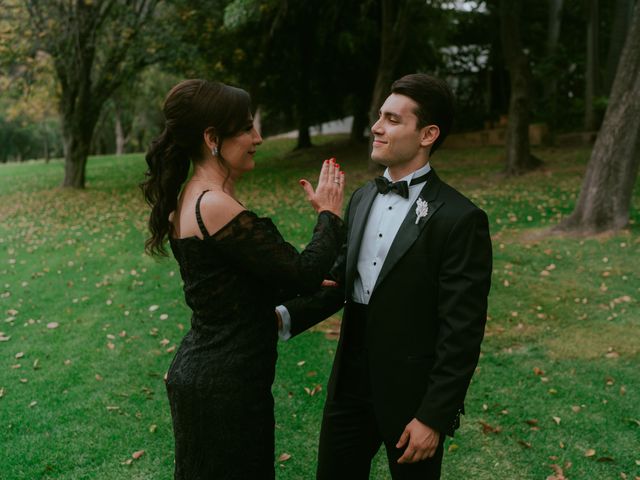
(349, 436)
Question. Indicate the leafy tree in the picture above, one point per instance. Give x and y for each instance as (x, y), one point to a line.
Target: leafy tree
(95, 46)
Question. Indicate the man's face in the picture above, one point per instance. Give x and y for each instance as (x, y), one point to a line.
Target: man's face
(396, 140)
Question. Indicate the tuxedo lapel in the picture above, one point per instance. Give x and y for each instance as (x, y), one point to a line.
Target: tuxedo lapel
(356, 230)
(410, 229)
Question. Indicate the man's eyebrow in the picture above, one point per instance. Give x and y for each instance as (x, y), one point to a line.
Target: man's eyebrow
(390, 114)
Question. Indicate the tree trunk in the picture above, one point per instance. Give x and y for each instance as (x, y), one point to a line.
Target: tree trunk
(78, 124)
(360, 122)
(592, 67)
(622, 13)
(518, 155)
(120, 136)
(395, 19)
(551, 85)
(47, 153)
(306, 37)
(304, 138)
(605, 198)
(75, 161)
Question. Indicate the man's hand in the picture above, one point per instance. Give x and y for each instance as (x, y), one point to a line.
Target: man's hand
(422, 442)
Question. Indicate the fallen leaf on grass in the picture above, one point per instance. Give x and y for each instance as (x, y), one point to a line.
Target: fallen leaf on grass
(19, 355)
(486, 428)
(453, 447)
(538, 371)
(557, 420)
(284, 457)
(301, 363)
(576, 408)
(590, 453)
(605, 459)
(153, 428)
(558, 475)
(313, 391)
(137, 455)
(1, 392)
(98, 377)
(52, 325)
(33, 404)
(524, 444)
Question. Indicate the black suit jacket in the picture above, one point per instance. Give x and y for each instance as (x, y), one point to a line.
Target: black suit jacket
(427, 311)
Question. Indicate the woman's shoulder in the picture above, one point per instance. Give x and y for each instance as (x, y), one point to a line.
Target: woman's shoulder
(218, 209)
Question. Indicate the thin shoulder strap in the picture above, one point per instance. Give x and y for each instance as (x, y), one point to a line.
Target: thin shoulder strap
(203, 229)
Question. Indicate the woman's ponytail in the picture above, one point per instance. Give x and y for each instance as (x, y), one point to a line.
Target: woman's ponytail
(168, 169)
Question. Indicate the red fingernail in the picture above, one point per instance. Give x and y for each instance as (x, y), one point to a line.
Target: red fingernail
(338, 165)
(301, 182)
(341, 172)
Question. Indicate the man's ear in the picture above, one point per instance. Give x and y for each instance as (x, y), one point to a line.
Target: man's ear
(429, 135)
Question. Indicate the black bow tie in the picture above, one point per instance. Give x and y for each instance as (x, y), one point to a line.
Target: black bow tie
(385, 186)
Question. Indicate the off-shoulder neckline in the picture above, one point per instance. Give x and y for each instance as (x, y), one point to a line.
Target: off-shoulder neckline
(213, 235)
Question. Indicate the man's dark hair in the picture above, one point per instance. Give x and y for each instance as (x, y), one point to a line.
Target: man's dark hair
(435, 102)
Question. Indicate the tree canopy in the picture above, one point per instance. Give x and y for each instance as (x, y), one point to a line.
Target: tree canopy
(69, 66)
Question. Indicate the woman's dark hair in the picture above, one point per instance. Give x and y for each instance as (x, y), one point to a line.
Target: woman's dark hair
(435, 102)
(191, 107)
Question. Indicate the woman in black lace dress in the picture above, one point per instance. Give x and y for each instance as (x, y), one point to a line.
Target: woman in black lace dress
(236, 267)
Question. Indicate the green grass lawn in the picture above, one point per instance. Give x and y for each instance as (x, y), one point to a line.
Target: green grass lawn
(90, 324)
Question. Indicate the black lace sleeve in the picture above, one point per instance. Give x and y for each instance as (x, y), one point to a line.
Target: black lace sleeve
(255, 244)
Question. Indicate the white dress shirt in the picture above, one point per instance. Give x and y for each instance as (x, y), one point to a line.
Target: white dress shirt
(385, 217)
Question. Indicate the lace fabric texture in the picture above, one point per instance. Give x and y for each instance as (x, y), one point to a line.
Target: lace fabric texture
(219, 383)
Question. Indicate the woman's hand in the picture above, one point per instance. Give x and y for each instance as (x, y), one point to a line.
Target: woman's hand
(329, 193)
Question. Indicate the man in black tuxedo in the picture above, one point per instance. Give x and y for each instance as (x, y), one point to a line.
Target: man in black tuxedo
(413, 278)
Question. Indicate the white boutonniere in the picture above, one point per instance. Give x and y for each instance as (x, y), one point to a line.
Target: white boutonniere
(422, 209)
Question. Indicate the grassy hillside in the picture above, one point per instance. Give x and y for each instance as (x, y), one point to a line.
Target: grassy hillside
(90, 324)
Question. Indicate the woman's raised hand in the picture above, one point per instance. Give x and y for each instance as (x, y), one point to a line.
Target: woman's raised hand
(329, 194)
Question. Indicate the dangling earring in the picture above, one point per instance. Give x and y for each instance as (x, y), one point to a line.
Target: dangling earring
(214, 151)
